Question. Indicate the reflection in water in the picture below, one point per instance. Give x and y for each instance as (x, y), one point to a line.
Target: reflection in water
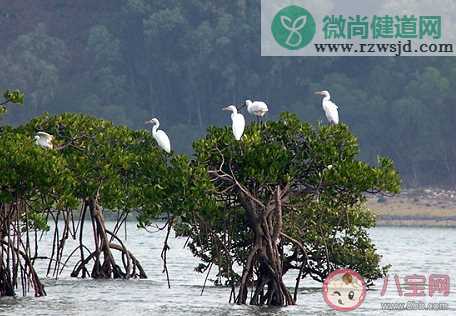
(410, 250)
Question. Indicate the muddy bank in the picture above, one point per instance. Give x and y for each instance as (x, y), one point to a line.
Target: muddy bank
(416, 207)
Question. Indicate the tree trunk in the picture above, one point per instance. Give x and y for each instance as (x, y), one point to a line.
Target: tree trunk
(108, 268)
(265, 258)
(104, 266)
(14, 256)
(6, 285)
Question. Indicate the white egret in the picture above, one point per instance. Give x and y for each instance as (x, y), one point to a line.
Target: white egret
(44, 140)
(329, 107)
(257, 108)
(160, 136)
(238, 121)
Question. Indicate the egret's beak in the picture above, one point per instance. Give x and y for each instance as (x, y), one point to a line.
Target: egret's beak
(225, 109)
(319, 93)
(148, 122)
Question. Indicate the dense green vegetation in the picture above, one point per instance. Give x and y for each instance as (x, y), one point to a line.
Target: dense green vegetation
(94, 168)
(105, 163)
(288, 196)
(128, 60)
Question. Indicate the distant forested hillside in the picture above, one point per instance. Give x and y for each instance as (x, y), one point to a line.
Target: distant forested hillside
(182, 60)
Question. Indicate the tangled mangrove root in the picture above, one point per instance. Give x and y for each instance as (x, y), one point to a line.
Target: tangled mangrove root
(265, 259)
(16, 263)
(104, 265)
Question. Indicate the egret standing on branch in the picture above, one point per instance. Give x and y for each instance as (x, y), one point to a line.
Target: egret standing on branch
(44, 140)
(238, 121)
(160, 136)
(257, 108)
(329, 107)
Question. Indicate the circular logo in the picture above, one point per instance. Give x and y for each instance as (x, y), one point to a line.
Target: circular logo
(344, 290)
(293, 27)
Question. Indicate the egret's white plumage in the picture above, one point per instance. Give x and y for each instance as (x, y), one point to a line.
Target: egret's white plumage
(329, 107)
(160, 136)
(237, 120)
(44, 140)
(257, 108)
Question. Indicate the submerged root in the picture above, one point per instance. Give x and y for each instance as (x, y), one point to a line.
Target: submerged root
(137, 270)
(104, 263)
(16, 263)
(6, 284)
(265, 259)
(269, 288)
(21, 261)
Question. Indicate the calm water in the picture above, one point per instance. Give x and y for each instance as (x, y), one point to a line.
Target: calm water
(422, 251)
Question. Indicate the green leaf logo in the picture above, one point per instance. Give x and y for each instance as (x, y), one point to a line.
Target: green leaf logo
(293, 27)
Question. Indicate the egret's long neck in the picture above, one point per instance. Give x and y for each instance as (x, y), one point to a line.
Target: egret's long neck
(155, 127)
(327, 97)
(234, 111)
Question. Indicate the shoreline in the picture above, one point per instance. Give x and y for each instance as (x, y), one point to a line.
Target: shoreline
(426, 207)
(410, 208)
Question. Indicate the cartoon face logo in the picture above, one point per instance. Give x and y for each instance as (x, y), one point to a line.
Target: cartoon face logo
(344, 290)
